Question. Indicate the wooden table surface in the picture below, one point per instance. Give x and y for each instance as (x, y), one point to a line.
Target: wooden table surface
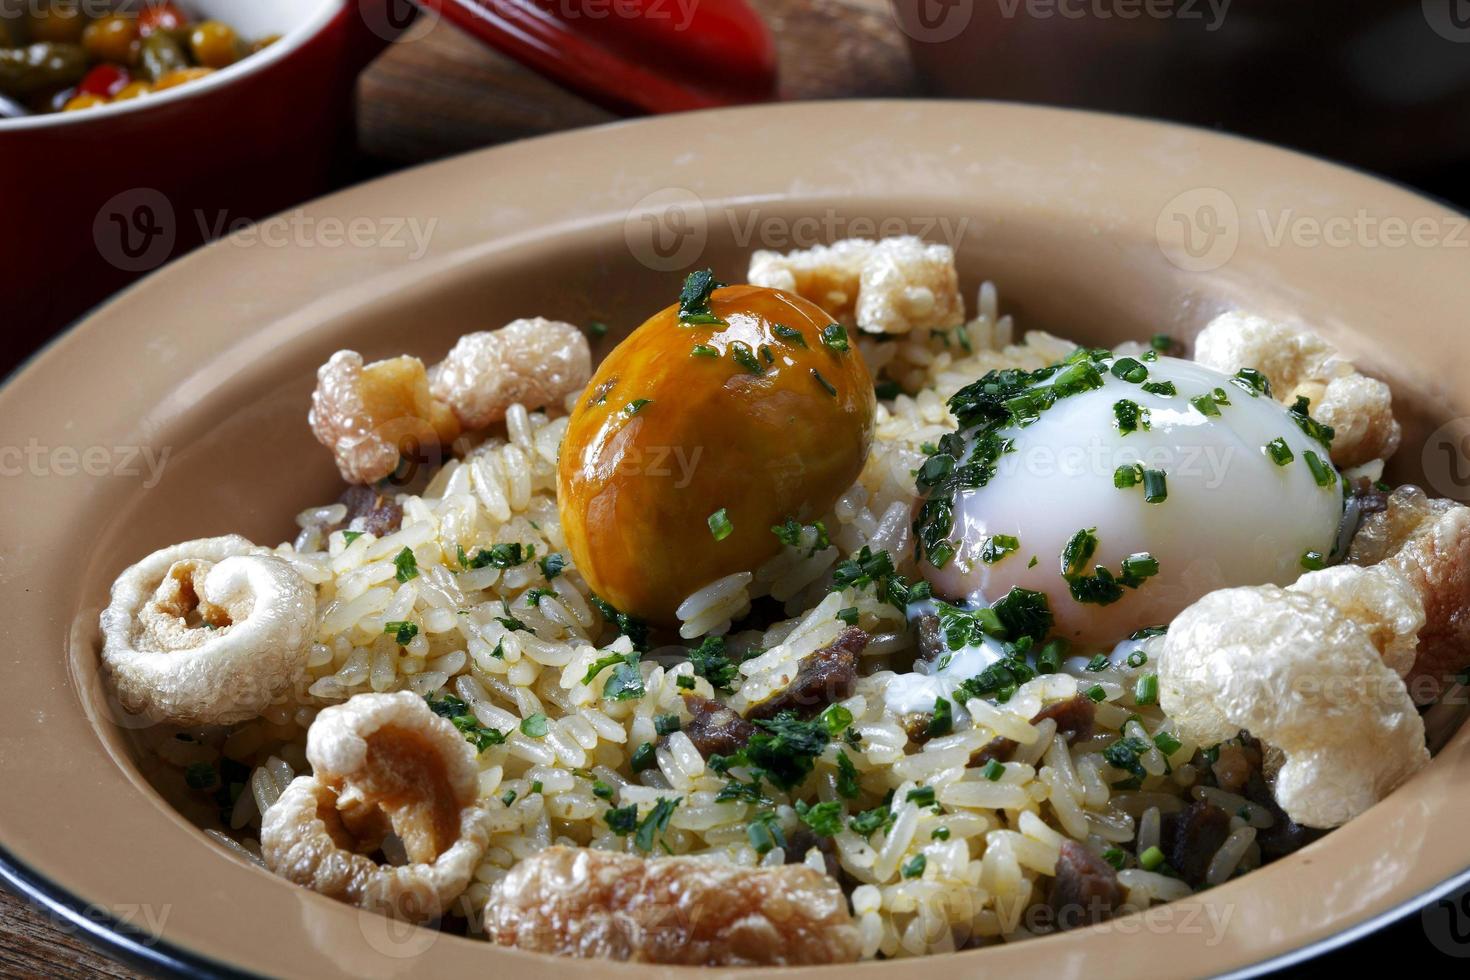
(442, 93)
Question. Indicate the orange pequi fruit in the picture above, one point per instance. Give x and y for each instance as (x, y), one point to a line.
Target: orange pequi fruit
(719, 417)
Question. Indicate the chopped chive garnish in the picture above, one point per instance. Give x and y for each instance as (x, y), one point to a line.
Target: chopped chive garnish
(942, 721)
(789, 334)
(666, 724)
(350, 536)
(1096, 693)
(834, 335)
(1205, 405)
(848, 615)
(597, 328)
(1167, 743)
(635, 406)
(765, 350)
(685, 682)
(824, 382)
(1098, 663)
(1321, 472)
(940, 833)
(1140, 566)
(1313, 561)
(1252, 381)
(1146, 691)
(1151, 859)
(993, 770)
(1128, 369)
(1155, 486)
(703, 350)
(1279, 451)
(1115, 856)
(1161, 342)
(719, 524)
(1137, 658)
(644, 757)
(1164, 389)
(1314, 429)
(921, 795)
(1128, 475)
(914, 867)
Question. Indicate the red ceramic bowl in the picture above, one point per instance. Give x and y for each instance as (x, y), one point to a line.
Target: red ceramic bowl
(93, 199)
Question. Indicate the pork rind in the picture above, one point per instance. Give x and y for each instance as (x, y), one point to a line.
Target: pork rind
(1308, 669)
(369, 416)
(892, 286)
(208, 632)
(1301, 364)
(1428, 541)
(535, 362)
(686, 911)
(382, 764)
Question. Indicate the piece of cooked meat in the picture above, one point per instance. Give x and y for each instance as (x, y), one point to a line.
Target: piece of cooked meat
(369, 510)
(1191, 837)
(931, 638)
(714, 728)
(822, 678)
(1074, 718)
(1085, 889)
(575, 901)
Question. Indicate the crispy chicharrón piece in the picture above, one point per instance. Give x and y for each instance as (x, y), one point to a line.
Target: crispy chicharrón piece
(675, 910)
(207, 632)
(1428, 541)
(1300, 364)
(382, 763)
(370, 416)
(1310, 670)
(892, 286)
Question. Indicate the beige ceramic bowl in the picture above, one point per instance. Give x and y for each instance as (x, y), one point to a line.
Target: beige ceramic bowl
(1080, 218)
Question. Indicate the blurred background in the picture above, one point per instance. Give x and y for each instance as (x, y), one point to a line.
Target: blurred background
(158, 125)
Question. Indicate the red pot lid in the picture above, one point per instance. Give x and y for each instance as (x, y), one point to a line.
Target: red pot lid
(631, 56)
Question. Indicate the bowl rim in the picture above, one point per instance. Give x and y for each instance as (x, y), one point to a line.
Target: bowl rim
(366, 281)
(290, 42)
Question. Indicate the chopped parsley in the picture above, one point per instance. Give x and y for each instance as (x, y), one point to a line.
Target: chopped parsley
(552, 565)
(630, 626)
(914, 867)
(499, 556)
(765, 833)
(745, 357)
(1129, 416)
(868, 822)
(644, 757)
(460, 715)
(656, 822)
(711, 663)
(1167, 743)
(939, 833)
(535, 726)
(406, 564)
(834, 336)
(602, 790)
(694, 298)
(783, 752)
(535, 595)
(791, 335)
(622, 820)
(1313, 561)
(720, 527)
(824, 819)
(1253, 381)
(403, 631)
(350, 536)
(1124, 754)
(997, 546)
(847, 777)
